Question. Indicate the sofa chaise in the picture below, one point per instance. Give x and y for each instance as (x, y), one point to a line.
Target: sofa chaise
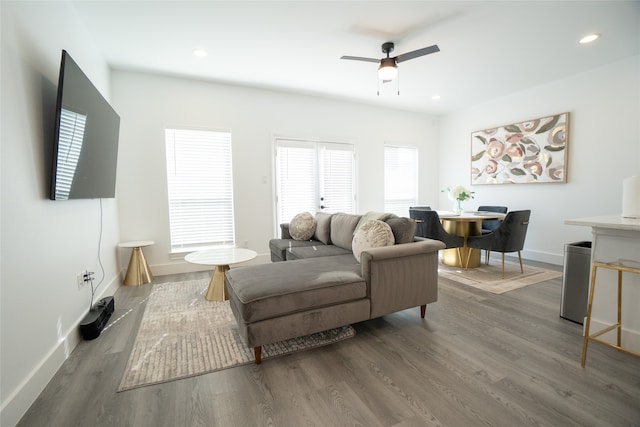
(335, 277)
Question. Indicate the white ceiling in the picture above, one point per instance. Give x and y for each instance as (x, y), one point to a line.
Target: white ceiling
(488, 48)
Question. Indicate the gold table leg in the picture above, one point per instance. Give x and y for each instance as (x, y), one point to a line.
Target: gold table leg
(138, 272)
(217, 289)
(455, 258)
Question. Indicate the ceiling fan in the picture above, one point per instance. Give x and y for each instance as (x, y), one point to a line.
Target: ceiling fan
(388, 69)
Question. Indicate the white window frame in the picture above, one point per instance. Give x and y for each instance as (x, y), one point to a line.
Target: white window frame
(199, 188)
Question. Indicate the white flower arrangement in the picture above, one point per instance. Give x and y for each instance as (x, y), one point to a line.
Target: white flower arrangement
(459, 193)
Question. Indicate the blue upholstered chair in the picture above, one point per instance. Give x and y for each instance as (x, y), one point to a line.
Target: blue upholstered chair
(489, 225)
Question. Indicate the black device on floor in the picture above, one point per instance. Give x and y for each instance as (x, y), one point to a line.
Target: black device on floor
(97, 318)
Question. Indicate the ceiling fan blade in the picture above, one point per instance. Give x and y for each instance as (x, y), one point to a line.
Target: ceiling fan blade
(360, 58)
(416, 53)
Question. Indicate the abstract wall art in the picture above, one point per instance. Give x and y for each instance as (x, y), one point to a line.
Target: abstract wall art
(527, 152)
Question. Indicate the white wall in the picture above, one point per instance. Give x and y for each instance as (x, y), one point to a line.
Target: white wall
(603, 149)
(149, 103)
(44, 243)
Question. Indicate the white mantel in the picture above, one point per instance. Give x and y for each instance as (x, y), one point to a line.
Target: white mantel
(615, 239)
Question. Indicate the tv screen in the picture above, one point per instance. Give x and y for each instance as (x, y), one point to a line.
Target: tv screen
(85, 147)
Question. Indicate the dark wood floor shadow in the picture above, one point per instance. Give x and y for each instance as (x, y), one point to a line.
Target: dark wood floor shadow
(476, 359)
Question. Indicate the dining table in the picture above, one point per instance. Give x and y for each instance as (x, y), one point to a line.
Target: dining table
(464, 224)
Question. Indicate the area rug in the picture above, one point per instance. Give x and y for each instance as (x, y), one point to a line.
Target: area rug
(183, 335)
(489, 277)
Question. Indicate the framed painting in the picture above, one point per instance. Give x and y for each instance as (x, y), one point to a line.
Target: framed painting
(528, 152)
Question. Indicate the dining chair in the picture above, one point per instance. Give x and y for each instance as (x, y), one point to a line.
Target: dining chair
(428, 225)
(490, 225)
(420, 208)
(508, 237)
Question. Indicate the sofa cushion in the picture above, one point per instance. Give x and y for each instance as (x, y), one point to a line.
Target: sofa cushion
(342, 229)
(323, 228)
(372, 234)
(316, 251)
(302, 226)
(382, 216)
(270, 290)
(404, 229)
(279, 247)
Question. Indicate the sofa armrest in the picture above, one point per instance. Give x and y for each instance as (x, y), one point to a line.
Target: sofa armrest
(284, 231)
(401, 276)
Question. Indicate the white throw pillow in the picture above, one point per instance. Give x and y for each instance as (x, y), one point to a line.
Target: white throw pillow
(302, 226)
(372, 234)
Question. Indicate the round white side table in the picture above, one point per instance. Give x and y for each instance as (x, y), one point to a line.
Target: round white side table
(138, 272)
(221, 258)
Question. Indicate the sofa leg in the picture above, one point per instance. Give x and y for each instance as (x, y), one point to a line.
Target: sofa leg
(257, 351)
(423, 310)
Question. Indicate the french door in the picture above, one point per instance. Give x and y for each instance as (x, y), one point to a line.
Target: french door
(313, 176)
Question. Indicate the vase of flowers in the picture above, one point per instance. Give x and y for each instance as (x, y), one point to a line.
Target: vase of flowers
(459, 194)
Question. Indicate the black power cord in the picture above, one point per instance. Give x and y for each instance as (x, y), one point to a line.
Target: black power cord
(88, 275)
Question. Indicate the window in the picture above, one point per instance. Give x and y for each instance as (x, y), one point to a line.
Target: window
(313, 176)
(200, 188)
(400, 179)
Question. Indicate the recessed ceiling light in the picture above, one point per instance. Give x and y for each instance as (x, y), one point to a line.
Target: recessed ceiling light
(201, 53)
(589, 38)
(435, 97)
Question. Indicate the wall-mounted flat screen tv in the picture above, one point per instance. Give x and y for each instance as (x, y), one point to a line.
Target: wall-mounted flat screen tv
(85, 147)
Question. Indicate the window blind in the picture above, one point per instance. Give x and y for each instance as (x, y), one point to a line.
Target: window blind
(200, 188)
(310, 175)
(400, 179)
(296, 179)
(338, 178)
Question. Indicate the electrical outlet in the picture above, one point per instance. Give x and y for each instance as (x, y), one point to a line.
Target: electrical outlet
(83, 278)
(80, 279)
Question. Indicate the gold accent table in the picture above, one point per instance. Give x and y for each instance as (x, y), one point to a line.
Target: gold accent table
(221, 258)
(138, 272)
(465, 224)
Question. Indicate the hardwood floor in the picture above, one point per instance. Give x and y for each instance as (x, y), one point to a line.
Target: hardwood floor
(476, 359)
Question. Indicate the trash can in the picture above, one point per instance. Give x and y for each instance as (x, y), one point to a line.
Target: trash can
(575, 281)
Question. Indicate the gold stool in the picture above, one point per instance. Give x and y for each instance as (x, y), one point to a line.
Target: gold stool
(138, 272)
(593, 337)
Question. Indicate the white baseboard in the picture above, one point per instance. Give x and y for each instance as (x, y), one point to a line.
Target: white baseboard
(17, 403)
(630, 338)
(549, 258)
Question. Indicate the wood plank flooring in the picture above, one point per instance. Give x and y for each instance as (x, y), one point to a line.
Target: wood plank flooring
(477, 359)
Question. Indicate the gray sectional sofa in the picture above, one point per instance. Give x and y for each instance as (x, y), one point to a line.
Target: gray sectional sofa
(318, 284)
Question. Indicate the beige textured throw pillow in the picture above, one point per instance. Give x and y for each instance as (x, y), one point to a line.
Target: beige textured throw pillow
(372, 234)
(302, 226)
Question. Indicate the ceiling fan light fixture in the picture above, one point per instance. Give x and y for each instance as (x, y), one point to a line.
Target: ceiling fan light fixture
(388, 69)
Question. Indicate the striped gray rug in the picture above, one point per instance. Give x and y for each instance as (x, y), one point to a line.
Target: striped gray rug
(182, 335)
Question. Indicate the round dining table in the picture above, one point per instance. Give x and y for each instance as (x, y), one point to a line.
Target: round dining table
(465, 224)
